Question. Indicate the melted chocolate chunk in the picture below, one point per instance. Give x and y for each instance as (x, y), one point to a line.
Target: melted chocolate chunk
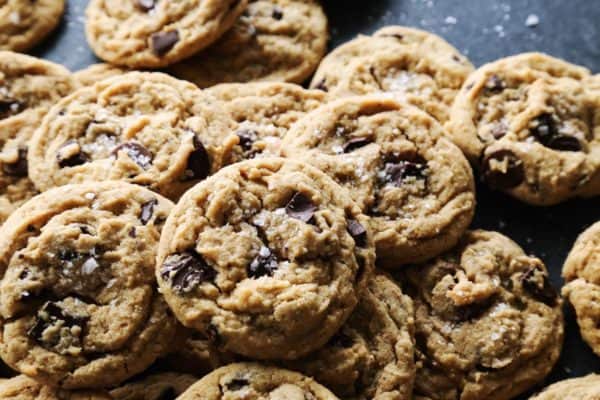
(147, 211)
(247, 138)
(495, 84)
(50, 315)
(264, 264)
(163, 42)
(536, 283)
(356, 143)
(321, 85)
(503, 170)
(146, 5)
(10, 107)
(186, 271)
(198, 165)
(565, 143)
(72, 159)
(396, 172)
(237, 384)
(18, 168)
(277, 13)
(342, 340)
(358, 232)
(544, 128)
(472, 311)
(138, 153)
(301, 207)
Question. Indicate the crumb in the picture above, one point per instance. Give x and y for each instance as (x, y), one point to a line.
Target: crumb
(532, 21)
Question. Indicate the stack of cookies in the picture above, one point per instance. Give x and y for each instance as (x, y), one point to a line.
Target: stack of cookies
(234, 235)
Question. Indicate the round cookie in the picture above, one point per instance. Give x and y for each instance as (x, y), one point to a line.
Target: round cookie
(24, 388)
(78, 300)
(264, 112)
(161, 386)
(415, 185)
(28, 87)
(254, 381)
(530, 123)
(582, 288)
(96, 73)
(146, 128)
(273, 40)
(266, 258)
(156, 33)
(25, 23)
(584, 388)
(372, 356)
(489, 325)
(405, 63)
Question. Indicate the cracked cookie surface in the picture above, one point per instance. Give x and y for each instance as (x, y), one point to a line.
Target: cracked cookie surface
(404, 63)
(256, 382)
(582, 284)
(273, 40)
(263, 113)
(488, 322)
(413, 184)
(146, 128)
(156, 33)
(584, 388)
(267, 258)
(25, 23)
(79, 303)
(530, 123)
(28, 88)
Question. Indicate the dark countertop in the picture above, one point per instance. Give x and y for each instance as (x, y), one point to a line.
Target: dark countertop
(483, 30)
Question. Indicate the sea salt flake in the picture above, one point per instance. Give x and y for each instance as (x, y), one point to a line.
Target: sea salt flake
(15, 18)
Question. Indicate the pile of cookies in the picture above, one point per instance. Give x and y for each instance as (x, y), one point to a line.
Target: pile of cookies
(220, 232)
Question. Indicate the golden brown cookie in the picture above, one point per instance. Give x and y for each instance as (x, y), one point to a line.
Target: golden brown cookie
(584, 388)
(24, 388)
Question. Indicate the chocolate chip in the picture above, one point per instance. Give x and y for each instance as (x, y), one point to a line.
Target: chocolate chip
(51, 315)
(264, 264)
(536, 282)
(10, 107)
(495, 84)
(340, 339)
(358, 232)
(397, 172)
(564, 143)
(147, 211)
(132, 232)
(198, 165)
(146, 5)
(503, 170)
(70, 155)
(138, 153)
(186, 271)
(544, 128)
(163, 42)
(356, 143)
(300, 207)
(247, 138)
(321, 85)
(19, 167)
(277, 13)
(237, 384)
(67, 254)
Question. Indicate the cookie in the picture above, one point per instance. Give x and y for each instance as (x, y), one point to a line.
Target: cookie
(489, 324)
(143, 127)
(404, 63)
(266, 258)
(96, 73)
(372, 356)
(415, 186)
(161, 386)
(78, 300)
(254, 381)
(24, 388)
(25, 23)
(584, 388)
(156, 33)
(28, 87)
(530, 124)
(263, 113)
(273, 40)
(582, 276)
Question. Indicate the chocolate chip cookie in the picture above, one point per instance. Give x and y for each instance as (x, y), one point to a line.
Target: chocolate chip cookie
(530, 124)
(264, 112)
(489, 324)
(28, 87)
(24, 388)
(415, 186)
(254, 381)
(582, 276)
(25, 23)
(156, 33)
(78, 300)
(96, 73)
(404, 63)
(372, 356)
(584, 388)
(146, 128)
(267, 258)
(273, 40)
(161, 386)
